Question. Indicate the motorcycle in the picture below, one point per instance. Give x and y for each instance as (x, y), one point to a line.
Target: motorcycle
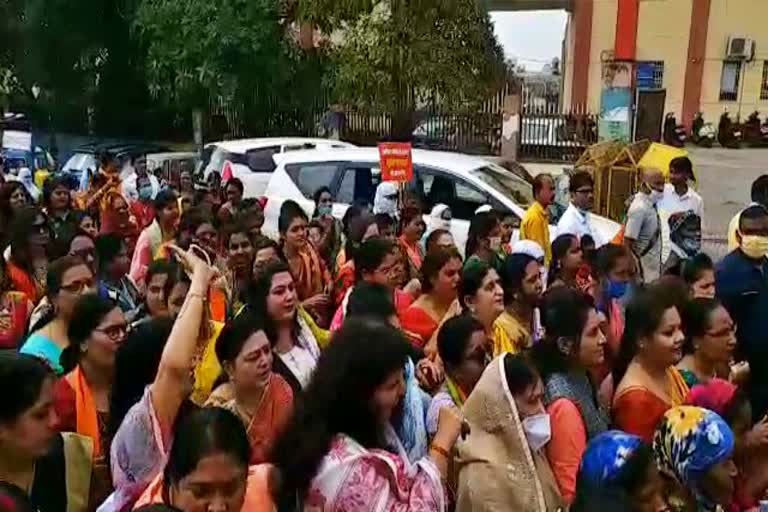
(702, 132)
(674, 134)
(728, 133)
(755, 132)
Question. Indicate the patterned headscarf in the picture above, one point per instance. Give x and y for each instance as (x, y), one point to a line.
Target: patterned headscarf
(606, 455)
(690, 441)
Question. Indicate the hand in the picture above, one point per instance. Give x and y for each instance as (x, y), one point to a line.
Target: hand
(739, 373)
(429, 374)
(450, 425)
(758, 435)
(193, 263)
(319, 301)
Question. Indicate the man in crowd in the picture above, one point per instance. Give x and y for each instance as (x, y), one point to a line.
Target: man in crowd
(642, 234)
(741, 281)
(758, 195)
(576, 219)
(535, 225)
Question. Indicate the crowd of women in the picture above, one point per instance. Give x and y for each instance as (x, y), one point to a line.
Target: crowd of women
(160, 353)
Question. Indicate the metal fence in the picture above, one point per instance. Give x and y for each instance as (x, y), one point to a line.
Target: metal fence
(548, 134)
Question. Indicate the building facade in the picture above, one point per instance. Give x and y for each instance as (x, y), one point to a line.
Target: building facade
(681, 46)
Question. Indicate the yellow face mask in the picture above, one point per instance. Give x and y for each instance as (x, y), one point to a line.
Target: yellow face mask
(754, 246)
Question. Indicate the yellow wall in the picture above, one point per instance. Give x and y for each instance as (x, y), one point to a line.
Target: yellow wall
(745, 18)
(603, 40)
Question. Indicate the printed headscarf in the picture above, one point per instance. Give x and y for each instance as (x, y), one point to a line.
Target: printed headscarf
(715, 395)
(606, 455)
(690, 441)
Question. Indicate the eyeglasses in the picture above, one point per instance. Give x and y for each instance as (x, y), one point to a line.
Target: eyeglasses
(78, 287)
(114, 332)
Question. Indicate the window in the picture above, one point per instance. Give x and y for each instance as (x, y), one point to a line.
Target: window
(462, 197)
(260, 160)
(359, 184)
(650, 75)
(507, 183)
(764, 83)
(311, 176)
(729, 80)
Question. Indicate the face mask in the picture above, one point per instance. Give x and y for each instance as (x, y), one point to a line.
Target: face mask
(494, 243)
(754, 246)
(616, 289)
(324, 210)
(655, 196)
(537, 430)
(145, 192)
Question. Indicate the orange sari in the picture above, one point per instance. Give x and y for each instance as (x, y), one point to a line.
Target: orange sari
(309, 273)
(413, 251)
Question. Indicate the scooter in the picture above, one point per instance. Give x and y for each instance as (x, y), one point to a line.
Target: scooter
(674, 134)
(728, 134)
(702, 132)
(755, 132)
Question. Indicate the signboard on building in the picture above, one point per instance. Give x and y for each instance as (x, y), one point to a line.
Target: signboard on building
(14, 139)
(396, 161)
(615, 122)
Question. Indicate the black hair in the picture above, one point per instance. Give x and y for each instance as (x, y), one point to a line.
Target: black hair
(89, 311)
(235, 333)
(519, 373)
(238, 184)
(352, 212)
(564, 314)
(193, 218)
(643, 316)
(675, 289)
(370, 255)
(22, 225)
(683, 164)
(257, 296)
(357, 229)
(60, 246)
(759, 192)
(432, 265)
(408, 215)
(264, 242)
(472, 280)
(136, 366)
(52, 184)
(79, 215)
(350, 367)
(164, 198)
(481, 226)
(56, 271)
(513, 274)
(453, 338)
(201, 433)
(233, 228)
(538, 182)
(6, 191)
(383, 220)
(753, 212)
(433, 237)
(15, 499)
(371, 300)
(560, 247)
(290, 211)
(696, 320)
(319, 192)
(176, 275)
(108, 246)
(606, 258)
(159, 266)
(695, 266)
(157, 507)
(22, 376)
(580, 179)
(315, 223)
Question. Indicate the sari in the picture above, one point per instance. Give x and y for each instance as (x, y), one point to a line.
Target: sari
(41, 346)
(519, 338)
(418, 325)
(269, 420)
(62, 477)
(149, 246)
(15, 310)
(208, 368)
(637, 410)
(309, 273)
(23, 282)
(413, 251)
(497, 469)
(345, 280)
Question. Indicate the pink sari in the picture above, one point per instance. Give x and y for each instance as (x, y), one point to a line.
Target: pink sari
(353, 478)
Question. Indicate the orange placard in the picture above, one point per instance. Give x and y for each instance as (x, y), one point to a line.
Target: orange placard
(396, 161)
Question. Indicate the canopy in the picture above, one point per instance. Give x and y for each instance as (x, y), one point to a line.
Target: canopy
(659, 155)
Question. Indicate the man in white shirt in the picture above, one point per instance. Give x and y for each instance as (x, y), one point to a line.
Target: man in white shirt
(678, 197)
(576, 219)
(129, 188)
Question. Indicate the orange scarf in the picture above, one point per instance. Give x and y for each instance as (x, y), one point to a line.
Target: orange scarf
(413, 251)
(309, 272)
(85, 409)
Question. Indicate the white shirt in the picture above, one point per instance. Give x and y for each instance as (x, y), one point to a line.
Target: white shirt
(129, 190)
(574, 222)
(301, 363)
(672, 203)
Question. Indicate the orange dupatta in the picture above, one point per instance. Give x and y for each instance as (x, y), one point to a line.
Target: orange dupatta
(85, 409)
(309, 272)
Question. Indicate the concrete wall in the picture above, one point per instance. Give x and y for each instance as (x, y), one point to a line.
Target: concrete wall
(567, 66)
(745, 18)
(603, 40)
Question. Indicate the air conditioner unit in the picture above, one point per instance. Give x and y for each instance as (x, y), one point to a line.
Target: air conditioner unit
(741, 48)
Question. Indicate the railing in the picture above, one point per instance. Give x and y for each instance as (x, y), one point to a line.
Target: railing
(548, 134)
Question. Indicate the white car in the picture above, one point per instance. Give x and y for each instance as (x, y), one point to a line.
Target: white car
(252, 160)
(462, 182)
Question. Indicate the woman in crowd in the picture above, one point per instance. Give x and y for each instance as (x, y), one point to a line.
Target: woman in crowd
(330, 240)
(521, 279)
(81, 398)
(57, 202)
(265, 250)
(361, 229)
(386, 225)
(566, 261)
(116, 218)
(155, 305)
(647, 382)
(412, 229)
(620, 466)
(15, 310)
(48, 466)
(439, 239)
(345, 461)
(351, 214)
(28, 263)
(79, 244)
(84, 221)
(462, 346)
(710, 342)
(13, 198)
(253, 392)
(693, 448)
(573, 345)
(68, 279)
(233, 194)
(614, 272)
(484, 240)
(481, 296)
(312, 280)
(239, 263)
(162, 231)
(699, 273)
(114, 283)
(508, 429)
(273, 297)
(440, 277)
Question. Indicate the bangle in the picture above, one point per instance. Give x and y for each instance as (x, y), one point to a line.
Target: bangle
(439, 449)
(200, 296)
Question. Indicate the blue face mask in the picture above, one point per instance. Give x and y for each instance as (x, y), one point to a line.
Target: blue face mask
(616, 289)
(145, 192)
(323, 210)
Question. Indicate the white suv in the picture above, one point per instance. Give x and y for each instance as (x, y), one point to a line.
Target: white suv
(252, 160)
(462, 182)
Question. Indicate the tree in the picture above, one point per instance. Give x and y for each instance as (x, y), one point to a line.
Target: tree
(397, 55)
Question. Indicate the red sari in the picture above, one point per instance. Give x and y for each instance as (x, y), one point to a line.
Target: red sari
(418, 325)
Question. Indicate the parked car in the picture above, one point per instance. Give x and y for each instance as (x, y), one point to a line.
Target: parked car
(169, 165)
(252, 160)
(461, 181)
(86, 157)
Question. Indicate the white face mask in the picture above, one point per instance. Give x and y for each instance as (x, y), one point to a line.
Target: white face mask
(494, 243)
(537, 430)
(655, 196)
